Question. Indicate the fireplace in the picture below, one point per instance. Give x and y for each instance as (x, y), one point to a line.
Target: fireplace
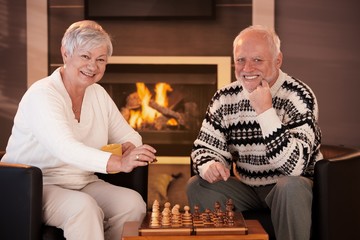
(165, 98)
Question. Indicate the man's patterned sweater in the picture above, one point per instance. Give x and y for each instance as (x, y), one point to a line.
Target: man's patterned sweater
(282, 141)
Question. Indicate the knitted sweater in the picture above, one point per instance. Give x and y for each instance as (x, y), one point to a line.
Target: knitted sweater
(282, 141)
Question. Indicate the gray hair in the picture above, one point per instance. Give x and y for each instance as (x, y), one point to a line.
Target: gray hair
(269, 34)
(87, 34)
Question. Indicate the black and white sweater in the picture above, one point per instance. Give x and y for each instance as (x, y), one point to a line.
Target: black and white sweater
(282, 141)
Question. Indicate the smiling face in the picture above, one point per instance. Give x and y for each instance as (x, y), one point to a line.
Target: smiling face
(255, 60)
(85, 66)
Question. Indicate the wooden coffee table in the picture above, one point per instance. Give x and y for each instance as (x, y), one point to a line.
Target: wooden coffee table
(255, 232)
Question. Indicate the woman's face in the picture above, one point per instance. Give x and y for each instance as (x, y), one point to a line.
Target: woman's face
(85, 66)
(254, 61)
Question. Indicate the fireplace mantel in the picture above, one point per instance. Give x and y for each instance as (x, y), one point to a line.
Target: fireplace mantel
(223, 63)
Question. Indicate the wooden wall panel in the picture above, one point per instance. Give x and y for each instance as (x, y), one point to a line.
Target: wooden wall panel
(13, 63)
(210, 37)
(320, 42)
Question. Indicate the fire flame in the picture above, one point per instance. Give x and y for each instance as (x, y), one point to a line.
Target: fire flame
(148, 115)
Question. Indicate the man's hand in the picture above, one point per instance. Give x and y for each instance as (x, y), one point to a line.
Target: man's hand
(260, 98)
(216, 172)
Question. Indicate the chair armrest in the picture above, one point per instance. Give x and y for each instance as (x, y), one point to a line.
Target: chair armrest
(136, 180)
(20, 201)
(336, 208)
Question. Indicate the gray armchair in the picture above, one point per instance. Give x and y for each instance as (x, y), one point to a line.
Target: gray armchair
(21, 200)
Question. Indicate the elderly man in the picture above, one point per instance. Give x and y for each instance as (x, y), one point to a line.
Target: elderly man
(265, 123)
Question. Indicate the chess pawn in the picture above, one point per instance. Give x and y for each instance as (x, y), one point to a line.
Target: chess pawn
(186, 217)
(167, 207)
(166, 217)
(187, 213)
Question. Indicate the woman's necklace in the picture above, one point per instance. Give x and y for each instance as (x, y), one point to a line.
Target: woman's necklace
(75, 110)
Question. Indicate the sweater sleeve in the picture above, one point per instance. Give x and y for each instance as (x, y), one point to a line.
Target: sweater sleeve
(119, 129)
(292, 141)
(211, 145)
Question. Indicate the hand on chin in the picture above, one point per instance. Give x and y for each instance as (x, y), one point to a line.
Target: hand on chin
(250, 86)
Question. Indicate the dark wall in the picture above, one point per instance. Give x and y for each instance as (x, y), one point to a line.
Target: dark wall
(13, 73)
(160, 37)
(320, 42)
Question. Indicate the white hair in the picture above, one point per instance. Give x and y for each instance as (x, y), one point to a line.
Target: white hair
(87, 34)
(269, 34)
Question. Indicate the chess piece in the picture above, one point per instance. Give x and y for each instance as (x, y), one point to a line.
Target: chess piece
(186, 217)
(156, 206)
(155, 214)
(217, 207)
(166, 216)
(219, 218)
(229, 205)
(229, 213)
(197, 220)
(207, 217)
(176, 216)
(230, 218)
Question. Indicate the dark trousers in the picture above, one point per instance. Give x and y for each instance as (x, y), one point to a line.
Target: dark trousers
(289, 200)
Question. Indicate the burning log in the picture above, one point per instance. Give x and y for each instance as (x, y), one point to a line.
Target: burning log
(132, 102)
(177, 100)
(168, 112)
(142, 112)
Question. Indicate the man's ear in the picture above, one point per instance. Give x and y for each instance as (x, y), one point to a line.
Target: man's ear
(279, 59)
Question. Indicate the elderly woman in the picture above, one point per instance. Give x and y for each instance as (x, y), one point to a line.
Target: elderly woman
(61, 124)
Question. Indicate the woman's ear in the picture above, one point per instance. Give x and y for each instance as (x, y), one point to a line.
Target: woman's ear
(63, 54)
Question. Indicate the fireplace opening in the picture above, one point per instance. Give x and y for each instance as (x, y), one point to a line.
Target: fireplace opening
(160, 109)
(165, 98)
(165, 103)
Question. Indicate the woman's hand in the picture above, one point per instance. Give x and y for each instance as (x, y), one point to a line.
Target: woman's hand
(127, 147)
(131, 158)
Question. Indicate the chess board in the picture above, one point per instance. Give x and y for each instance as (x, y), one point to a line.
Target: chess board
(206, 223)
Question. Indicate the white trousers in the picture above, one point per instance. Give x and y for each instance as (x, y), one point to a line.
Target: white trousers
(98, 211)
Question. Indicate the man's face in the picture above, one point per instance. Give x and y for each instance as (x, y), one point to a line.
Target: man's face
(255, 61)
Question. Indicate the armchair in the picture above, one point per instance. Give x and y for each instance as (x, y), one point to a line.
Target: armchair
(336, 209)
(21, 200)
